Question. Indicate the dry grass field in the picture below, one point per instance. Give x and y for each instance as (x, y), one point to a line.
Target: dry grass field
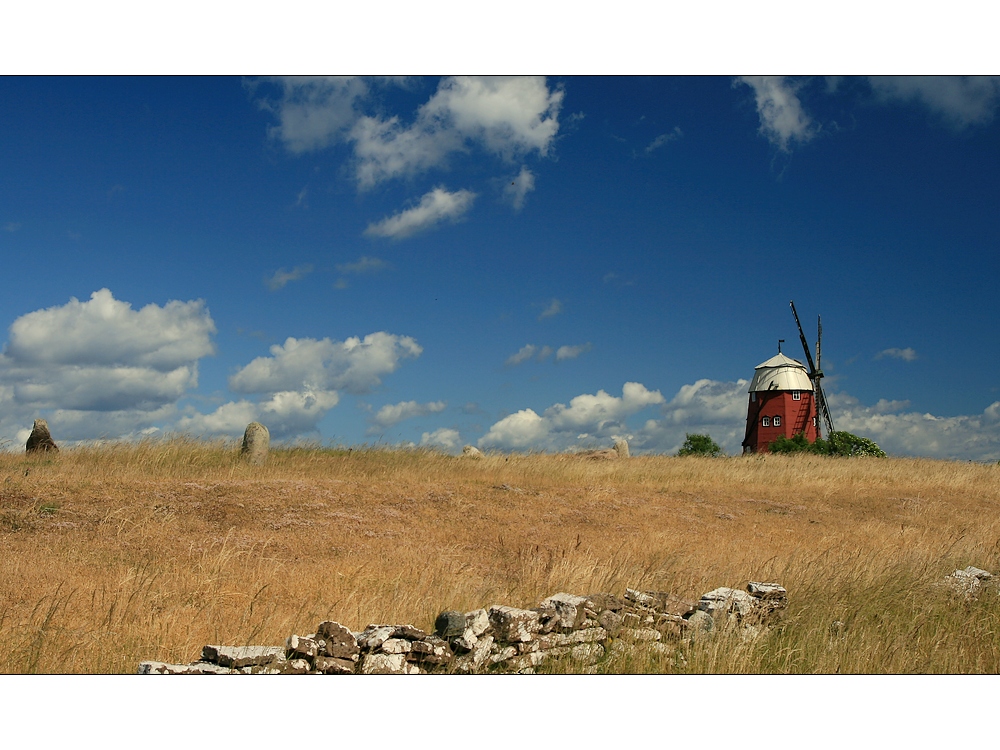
(117, 554)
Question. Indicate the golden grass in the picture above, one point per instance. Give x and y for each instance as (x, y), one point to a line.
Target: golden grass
(121, 553)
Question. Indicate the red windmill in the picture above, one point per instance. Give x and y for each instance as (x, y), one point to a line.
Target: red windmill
(786, 398)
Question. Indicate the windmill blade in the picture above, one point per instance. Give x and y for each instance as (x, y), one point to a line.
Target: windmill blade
(823, 409)
(805, 344)
(819, 341)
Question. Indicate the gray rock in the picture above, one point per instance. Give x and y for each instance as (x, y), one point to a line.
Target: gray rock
(470, 451)
(512, 624)
(396, 646)
(256, 441)
(700, 623)
(621, 448)
(450, 623)
(569, 609)
(237, 657)
(556, 640)
(40, 440)
(766, 590)
(331, 665)
(301, 647)
(478, 621)
(387, 664)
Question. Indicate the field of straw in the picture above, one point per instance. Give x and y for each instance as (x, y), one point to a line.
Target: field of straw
(122, 553)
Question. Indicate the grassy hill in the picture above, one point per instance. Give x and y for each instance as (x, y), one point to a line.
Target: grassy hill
(117, 554)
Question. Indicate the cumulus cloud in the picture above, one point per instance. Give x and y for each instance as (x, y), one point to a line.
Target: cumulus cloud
(101, 368)
(281, 277)
(572, 352)
(444, 437)
(588, 416)
(286, 413)
(525, 353)
(519, 187)
(364, 264)
(907, 354)
(782, 118)
(706, 406)
(391, 414)
(961, 101)
(355, 365)
(555, 307)
(663, 139)
(436, 206)
(506, 116)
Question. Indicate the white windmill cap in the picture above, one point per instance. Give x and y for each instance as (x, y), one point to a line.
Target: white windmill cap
(780, 373)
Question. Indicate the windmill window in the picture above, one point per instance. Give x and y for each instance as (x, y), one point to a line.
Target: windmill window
(765, 422)
(814, 421)
(796, 395)
(777, 421)
(753, 396)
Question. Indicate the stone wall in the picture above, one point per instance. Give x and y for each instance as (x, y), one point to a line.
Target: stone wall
(585, 629)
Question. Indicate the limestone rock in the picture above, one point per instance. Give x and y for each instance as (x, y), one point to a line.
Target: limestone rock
(237, 657)
(450, 623)
(40, 440)
(340, 642)
(478, 621)
(387, 664)
(471, 451)
(512, 624)
(621, 448)
(256, 440)
(331, 665)
(569, 609)
(700, 623)
(301, 647)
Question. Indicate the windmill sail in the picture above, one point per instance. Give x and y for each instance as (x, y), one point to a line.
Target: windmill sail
(815, 374)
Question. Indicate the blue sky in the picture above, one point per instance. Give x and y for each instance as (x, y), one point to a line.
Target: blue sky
(518, 264)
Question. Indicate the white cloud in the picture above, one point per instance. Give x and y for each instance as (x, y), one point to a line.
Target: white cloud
(507, 116)
(391, 414)
(285, 413)
(961, 101)
(596, 416)
(572, 352)
(525, 353)
(519, 187)
(704, 407)
(281, 277)
(436, 206)
(315, 112)
(555, 307)
(907, 354)
(354, 365)
(782, 119)
(444, 437)
(364, 264)
(99, 368)
(663, 139)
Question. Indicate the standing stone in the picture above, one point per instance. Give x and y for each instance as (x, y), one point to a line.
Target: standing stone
(256, 441)
(472, 451)
(621, 448)
(40, 440)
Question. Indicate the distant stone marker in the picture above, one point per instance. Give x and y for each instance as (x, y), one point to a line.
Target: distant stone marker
(256, 441)
(621, 448)
(472, 452)
(40, 440)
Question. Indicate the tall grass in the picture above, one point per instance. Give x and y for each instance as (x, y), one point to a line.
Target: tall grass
(124, 552)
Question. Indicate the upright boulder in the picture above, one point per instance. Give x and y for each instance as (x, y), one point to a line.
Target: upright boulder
(256, 441)
(621, 448)
(40, 440)
(471, 451)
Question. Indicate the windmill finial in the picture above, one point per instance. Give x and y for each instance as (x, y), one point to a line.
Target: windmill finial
(780, 342)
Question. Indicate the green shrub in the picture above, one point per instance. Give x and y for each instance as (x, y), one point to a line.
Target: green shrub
(699, 445)
(840, 444)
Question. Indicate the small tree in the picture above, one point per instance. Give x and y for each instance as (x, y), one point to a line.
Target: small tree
(839, 444)
(699, 445)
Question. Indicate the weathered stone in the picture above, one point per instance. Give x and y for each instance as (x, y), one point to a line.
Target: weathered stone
(555, 640)
(409, 632)
(295, 666)
(569, 609)
(508, 652)
(766, 590)
(474, 660)
(396, 646)
(630, 620)
(374, 636)
(971, 572)
(387, 664)
(256, 441)
(200, 667)
(602, 602)
(726, 600)
(621, 448)
(431, 651)
(450, 624)
(610, 621)
(478, 621)
(331, 665)
(522, 664)
(40, 440)
(300, 647)
(700, 622)
(237, 657)
(512, 624)
(340, 642)
(471, 451)
(639, 634)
